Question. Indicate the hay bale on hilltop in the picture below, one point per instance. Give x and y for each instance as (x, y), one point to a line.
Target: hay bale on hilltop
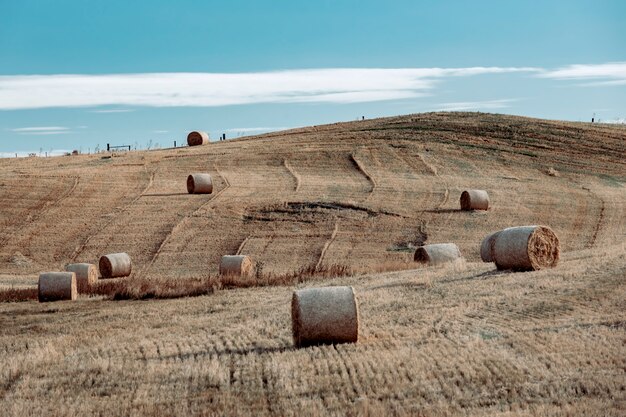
(86, 274)
(57, 286)
(486, 247)
(526, 248)
(199, 184)
(327, 315)
(436, 254)
(197, 138)
(237, 265)
(115, 265)
(474, 200)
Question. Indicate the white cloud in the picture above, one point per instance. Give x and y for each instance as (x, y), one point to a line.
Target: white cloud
(112, 111)
(23, 154)
(344, 85)
(618, 120)
(41, 130)
(476, 105)
(611, 73)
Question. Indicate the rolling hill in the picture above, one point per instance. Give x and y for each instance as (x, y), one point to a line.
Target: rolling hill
(462, 339)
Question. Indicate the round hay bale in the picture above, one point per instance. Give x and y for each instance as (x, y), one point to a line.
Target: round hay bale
(437, 253)
(86, 274)
(197, 138)
(199, 184)
(526, 248)
(486, 247)
(236, 265)
(474, 200)
(327, 315)
(115, 265)
(57, 286)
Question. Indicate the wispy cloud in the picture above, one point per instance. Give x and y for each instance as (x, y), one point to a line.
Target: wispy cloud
(41, 130)
(343, 85)
(618, 120)
(612, 73)
(23, 154)
(112, 111)
(476, 105)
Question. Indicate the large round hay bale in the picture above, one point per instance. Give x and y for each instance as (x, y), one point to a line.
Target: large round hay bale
(199, 184)
(86, 274)
(474, 200)
(526, 248)
(438, 253)
(197, 137)
(486, 247)
(327, 315)
(57, 286)
(115, 265)
(236, 265)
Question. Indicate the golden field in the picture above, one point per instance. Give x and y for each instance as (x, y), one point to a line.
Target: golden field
(463, 339)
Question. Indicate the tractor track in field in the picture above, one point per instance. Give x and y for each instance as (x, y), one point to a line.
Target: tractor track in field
(295, 175)
(360, 167)
(110, 221)
(182, 221)
(43, 207)
(327, 245)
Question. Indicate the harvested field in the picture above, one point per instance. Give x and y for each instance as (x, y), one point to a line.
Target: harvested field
(458, 339)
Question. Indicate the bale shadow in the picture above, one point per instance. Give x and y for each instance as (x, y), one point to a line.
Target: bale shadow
(163, 194)
(226, 351)
(442, 211)
(482, 275)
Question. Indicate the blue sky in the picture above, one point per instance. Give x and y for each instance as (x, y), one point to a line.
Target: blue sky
(76, 74)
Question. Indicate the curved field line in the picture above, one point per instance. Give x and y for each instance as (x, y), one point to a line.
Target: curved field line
(592, 240)
(242, 245)
(181, 222)
(47, 206)
(294, 173)
(361, 168)
(433, 169)
(327, 245)
(78, 250)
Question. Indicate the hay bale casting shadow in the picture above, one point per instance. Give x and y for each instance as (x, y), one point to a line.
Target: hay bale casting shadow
(197, 138)
(437, 254)
(57, 286)
(86, 274)
(237, 265)
(327, 315)
(526, 248)
(474, 200)
(199, 184)
(115, 265)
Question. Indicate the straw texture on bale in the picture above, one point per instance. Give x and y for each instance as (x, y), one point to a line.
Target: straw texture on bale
(115, 265)
(526, 248)
(199, 184)
(57, 286)
(474, 200)
(327, 315)
(86, 274)
(437, 253)
(486, 247)
(196, 138)
(236, 265)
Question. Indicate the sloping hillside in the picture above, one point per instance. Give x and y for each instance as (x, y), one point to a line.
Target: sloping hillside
(357, 193)
(462, 339)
